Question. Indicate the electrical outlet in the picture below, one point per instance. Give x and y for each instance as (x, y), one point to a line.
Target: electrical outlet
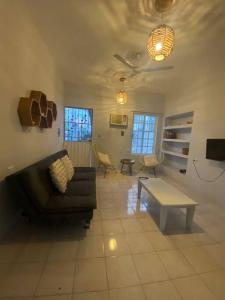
(195, 159)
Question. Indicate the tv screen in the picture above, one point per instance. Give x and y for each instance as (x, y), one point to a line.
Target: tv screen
(215, 149)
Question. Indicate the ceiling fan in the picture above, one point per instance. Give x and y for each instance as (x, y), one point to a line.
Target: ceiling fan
(136, 70)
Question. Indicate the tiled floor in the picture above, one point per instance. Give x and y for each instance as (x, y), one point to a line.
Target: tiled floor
(122, 256)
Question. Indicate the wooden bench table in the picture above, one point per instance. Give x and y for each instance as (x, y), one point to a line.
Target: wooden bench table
(167, 196)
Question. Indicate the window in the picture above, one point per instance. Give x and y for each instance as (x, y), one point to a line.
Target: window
(77, 124)
(144, 133)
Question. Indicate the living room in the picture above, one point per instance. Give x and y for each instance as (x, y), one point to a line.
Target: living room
(119, 238)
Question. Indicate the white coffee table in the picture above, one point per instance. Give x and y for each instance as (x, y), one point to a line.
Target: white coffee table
(167, 196)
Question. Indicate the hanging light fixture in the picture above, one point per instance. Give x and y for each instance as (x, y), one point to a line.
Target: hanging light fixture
(160, 42)
(163, 5)
(121, 96)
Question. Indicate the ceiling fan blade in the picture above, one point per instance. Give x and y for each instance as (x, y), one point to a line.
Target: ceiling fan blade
(133, 74)
(124, 61)
(156, 69)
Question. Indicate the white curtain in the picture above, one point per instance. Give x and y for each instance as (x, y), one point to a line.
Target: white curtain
(80, 153)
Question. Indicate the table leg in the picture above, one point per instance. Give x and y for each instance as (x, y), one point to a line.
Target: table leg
(130, 170)
(139, 189)
(163, 217)
(190, 216)
(121, 168)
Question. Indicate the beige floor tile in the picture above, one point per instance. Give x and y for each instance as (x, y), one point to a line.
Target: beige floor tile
(95, 228)
(34, 252)
(63, 251)
(110, 213)
(20, 298)
(107, 201)
(57, 278)
(175, 263)
(217, 252)
(121, 272)
(149, 268)
(90, 275)
(193, 288)
(159, 241)
(126, 213)
(132, 225)
(139, 243)
(164, 290)
(58, 297)
(199, 259)
(112, 227)
(92, 246)
(10, 251)
(19, 279)
(105, 194)
(148, 224)
(215, 282)
(97, 214)
(202, 238)
(115, 245)
(141, 214)
(104, 295)
(129, 293)
(182, 240)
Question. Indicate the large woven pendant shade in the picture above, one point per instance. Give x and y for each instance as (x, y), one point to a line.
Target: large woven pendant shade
(160, 42)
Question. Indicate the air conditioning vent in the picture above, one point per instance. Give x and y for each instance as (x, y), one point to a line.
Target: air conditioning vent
(118, 120)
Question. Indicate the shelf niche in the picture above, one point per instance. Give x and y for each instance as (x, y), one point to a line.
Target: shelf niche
(176, 139)
(29, 112)
(40, 97)
(52, 106)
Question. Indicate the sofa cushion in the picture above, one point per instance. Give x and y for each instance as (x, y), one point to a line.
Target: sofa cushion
(84, 173)
(68, 165)
(80, 188)
(58, 175)
(34, 188)
(63, 203)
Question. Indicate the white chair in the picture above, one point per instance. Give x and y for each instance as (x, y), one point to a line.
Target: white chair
(150, 161)
(103, 160)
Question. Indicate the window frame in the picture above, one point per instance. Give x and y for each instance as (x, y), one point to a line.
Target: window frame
(155, 136)
(92, 119)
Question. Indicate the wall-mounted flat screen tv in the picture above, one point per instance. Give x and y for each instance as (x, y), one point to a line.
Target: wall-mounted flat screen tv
(215, 149)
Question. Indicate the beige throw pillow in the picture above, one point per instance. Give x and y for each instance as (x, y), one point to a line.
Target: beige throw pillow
(68, 165)
(58, 175)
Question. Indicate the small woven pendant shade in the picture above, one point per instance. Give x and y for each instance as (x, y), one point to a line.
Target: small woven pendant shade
(160, 42)
(121, 97)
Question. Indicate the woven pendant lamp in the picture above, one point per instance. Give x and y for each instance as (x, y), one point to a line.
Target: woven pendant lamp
(121, 96)
(160, 42)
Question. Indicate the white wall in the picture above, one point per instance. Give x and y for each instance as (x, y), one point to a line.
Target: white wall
(201, 88)
(25, 64)
(103, 103)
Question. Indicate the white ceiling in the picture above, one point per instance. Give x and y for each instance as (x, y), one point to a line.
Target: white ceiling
(83, 35)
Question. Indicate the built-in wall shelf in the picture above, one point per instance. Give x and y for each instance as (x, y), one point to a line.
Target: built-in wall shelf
(180, 115)
(176, 140)
(174, 127)
(175, 154)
